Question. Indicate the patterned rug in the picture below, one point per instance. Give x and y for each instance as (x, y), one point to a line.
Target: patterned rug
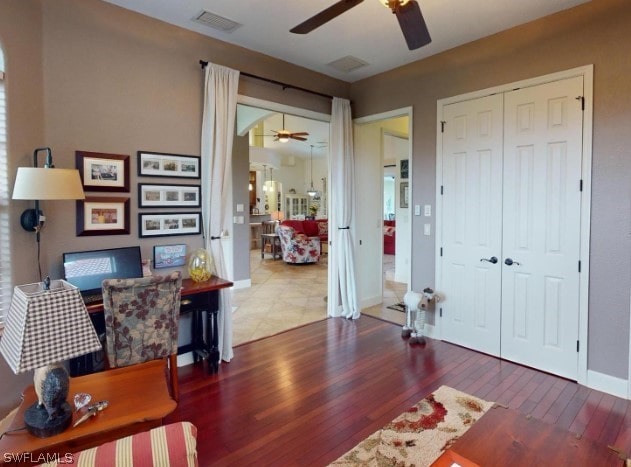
(419, 436)
(398, 307)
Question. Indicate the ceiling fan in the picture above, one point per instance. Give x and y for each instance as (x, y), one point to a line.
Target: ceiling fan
(408, 14)
(284, 135)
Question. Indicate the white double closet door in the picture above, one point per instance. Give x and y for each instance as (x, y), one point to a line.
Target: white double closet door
(511, 205)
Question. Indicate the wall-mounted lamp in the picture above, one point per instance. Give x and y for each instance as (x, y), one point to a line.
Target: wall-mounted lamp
(45, 183)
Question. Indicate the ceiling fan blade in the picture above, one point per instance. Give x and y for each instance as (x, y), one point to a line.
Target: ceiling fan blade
(301, 133)
(299, 138)
(325, 16)
(413, 25)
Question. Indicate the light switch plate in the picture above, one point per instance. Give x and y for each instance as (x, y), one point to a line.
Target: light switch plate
(417, 209)
(427, 229)
(428, 210)
(240, 207)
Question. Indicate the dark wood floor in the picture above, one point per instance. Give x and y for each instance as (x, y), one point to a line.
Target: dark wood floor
(306, 396)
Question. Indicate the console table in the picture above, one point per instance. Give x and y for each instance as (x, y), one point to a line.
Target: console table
(138, 398)
(196, 298)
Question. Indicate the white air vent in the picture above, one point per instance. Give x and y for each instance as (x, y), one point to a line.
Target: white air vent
(347, 64)
(217, 22)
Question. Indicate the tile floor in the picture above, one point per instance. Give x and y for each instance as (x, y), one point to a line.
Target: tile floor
(285, 296)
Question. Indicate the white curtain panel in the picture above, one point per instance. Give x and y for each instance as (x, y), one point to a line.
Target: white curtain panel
(343, 298)
(220, 107)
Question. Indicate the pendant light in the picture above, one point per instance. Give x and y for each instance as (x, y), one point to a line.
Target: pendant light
(312, 191)
(264, 177)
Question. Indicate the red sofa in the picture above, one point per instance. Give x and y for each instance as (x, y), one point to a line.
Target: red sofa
(316, 228)
(389, 237)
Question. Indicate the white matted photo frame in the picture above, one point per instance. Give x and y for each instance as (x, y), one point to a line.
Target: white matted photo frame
(157, 164)
(169, 256)
(102, 216)
(169, 224)
(103, 172)
(152, 195)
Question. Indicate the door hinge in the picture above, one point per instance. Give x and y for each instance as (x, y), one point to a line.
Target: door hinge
(582, 99)
(441, 190)
(580, 185)
(442, 126)
(579, 265)
(441, 312)
(577, 345)
(441, 251)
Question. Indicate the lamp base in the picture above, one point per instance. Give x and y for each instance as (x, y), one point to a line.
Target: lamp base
(38, 423)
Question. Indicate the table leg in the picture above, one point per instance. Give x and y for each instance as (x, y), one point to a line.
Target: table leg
(212, 339)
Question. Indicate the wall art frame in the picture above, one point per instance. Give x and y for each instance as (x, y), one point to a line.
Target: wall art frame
(405, 169)
(103, 172)
(153, 195)
(158, 164)
(404, 194)
(102, 216)
(163, 224)
(169, 256)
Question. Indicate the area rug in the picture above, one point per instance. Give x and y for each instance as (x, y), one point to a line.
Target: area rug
(398, 307)
(419, 436)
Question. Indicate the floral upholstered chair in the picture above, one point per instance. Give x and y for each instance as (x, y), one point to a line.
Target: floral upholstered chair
(141, 321)
(297, 247)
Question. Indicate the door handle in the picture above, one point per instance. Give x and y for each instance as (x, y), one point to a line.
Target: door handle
(492, 260)
(510, 262)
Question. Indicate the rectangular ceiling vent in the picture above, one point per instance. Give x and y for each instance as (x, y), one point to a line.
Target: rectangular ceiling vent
(217, 22)
(347, 64)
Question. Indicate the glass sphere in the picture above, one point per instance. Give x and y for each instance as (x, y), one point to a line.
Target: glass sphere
(200, 265)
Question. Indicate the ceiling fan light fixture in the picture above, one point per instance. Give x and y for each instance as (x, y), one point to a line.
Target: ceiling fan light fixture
(393, 4)
(312, 191)
(283, 137)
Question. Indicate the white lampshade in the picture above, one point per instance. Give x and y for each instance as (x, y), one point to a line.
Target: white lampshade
(47, 184)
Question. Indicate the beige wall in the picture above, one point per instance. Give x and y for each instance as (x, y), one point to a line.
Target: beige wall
(87, 75)
(596, 33)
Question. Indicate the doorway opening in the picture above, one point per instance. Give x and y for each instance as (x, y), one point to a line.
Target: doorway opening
(287, 182)
(382, 158)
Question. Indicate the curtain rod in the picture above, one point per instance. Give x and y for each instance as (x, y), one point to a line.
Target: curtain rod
(273, 81)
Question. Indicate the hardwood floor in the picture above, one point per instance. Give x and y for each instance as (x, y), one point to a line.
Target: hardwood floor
(306, 396)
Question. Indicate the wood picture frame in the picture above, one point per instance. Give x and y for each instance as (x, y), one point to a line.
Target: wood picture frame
(102, 216)
(153, 195)
(157, 164)
(103, 172)
(165, 224)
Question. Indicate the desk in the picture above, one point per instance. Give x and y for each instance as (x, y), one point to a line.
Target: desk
(138, 398)
(196, 297)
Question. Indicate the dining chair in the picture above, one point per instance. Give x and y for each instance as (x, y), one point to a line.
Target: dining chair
(141, 321)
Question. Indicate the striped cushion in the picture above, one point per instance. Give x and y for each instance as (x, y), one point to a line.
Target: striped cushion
(172, 445)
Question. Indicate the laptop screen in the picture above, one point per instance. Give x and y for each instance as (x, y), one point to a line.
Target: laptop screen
(87, 269)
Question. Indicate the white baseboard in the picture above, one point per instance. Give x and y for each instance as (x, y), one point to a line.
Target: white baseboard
(610, 384)
(185, 359)
(370, 301)
(244, 284)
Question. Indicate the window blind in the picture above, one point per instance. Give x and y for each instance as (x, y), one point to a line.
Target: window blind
(5, 239)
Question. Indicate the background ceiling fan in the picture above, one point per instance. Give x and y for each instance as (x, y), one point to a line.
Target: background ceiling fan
(285, 135)
(408, 14)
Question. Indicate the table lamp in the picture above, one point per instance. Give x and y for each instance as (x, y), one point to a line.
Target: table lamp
(47, 323)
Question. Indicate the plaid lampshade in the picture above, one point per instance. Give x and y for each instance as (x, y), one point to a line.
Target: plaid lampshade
(46, 326)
